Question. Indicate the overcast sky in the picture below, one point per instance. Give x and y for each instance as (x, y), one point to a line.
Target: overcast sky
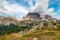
(20, 8)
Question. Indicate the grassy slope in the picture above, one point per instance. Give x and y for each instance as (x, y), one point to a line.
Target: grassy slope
(43, 34)
(40, 34)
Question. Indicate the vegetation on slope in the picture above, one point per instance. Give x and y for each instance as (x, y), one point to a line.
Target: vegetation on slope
(49, 31)
(12, 28)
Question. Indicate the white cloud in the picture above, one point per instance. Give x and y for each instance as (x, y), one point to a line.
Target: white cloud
(56, 14)
(40, 6)
(12, 9)
(58, 11)
(15, 9)
(50, 10)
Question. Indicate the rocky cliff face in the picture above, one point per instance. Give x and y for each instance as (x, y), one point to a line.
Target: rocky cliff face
(33, 16)
(37, 16)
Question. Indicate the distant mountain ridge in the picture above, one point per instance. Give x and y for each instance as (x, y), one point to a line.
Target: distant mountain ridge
(8, 20)
(30, 16)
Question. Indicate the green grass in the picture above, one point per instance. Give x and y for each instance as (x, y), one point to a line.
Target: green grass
(50, 34)
(40, 34)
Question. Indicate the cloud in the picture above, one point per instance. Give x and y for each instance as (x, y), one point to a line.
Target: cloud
(40, 6)
(13, 9)
(56, 14)
(58, 11)
(50, 10)
(18, 10)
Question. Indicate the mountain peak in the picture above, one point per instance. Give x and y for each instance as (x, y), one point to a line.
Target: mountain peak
(38, 16)
(33, 16)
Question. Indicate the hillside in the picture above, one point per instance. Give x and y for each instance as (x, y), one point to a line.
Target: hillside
(33, 26)
(42, 33)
